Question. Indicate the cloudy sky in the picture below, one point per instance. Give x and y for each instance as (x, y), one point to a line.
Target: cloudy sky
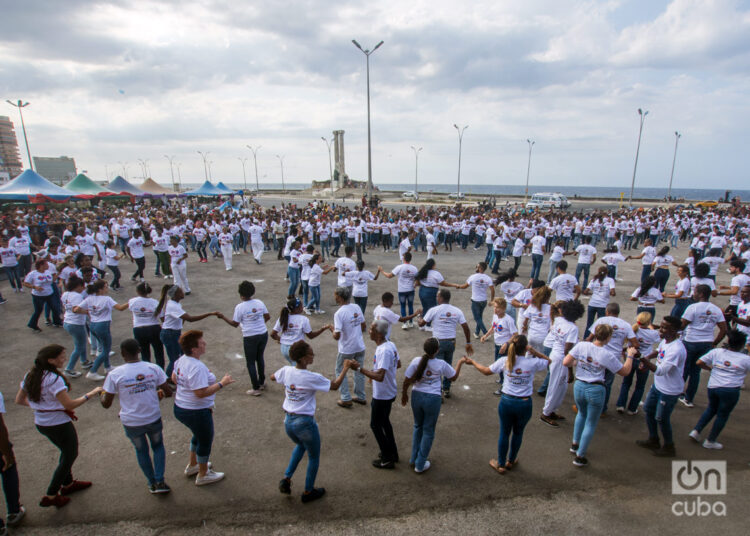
(120, 81)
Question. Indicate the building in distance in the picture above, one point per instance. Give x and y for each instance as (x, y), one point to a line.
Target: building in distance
(59, 170)
(10, 159)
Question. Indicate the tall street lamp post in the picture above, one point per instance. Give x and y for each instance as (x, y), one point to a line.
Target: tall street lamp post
(21, 105)
(255, 160)
(677, 137)
(528, 172)
(369, 141)
(642, 115)
(244, 176)
(204, 156)
(330, 165)
(281, 161)
(171, 169)
(460, 142)
(416, 169)
(179, 175)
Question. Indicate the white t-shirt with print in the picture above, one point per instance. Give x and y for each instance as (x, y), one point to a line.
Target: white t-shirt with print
(135, 385)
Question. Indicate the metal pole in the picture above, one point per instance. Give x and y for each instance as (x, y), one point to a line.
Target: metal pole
(528, 172)
(281, 161)
(677, 137)
(460, 143)
(330, 165)
(205, 165)
(20, 105)
(642, 115)
(416, 169)
(210, 177)
(255, 159)
(179, 175)
(171, 170)
(369, 139)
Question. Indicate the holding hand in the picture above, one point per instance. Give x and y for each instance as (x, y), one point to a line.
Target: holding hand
(352, 364)
(227, 380)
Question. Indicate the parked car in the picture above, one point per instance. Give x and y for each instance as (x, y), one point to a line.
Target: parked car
(456, 195)
(410, 194)
(547, 201)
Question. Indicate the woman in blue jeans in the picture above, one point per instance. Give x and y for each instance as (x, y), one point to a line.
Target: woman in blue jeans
(300, 388)
(428, 280)
(194, 402)
(425, 374)
(515, 404)
(647, 335)
(174, 315)
(75, 325)
(728, 367)
(592, 360)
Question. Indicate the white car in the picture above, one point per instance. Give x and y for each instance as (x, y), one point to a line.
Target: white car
(410, 194)
(456, 195)
(547, 201)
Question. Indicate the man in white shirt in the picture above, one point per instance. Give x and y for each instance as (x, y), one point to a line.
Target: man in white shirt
(565, 285)
(586, 257)
(445, 318)
(668, 384)
(347, 328)
(343, 265)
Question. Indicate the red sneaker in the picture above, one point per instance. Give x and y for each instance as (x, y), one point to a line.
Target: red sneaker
(59, 501)
(76, 485)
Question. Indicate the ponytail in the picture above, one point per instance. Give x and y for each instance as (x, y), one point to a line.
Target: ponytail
(430, 347)
(162, 300)
(601, 274)
(516, 346)
(33, 381)
(290, 306)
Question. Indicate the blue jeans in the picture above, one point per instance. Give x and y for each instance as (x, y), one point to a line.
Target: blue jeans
(552, 271)
(141, 436)
(14, 276)
(428, 297)
(426, 410)
(692, 372)
(303, 430)
(78, 332)
(336, 246)
(477, 308)
(100, 330)
(285, 353)
(359, 378)
(662, 276)
(680, 304)
(645, 272)
(658, 408)
(721, 402)
(361, 301)
(445, 352)
(305, 292)
(584, 269)
(590, 401)
(536, 265)
(592, 314)
(314, 302)
(406, 299)
(324, 248)
(170, 338)
(53, 302)
(514, 415)
(294, 274)
(641, 376)
(201, 424)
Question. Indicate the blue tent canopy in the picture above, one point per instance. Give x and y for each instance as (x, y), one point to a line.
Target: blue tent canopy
(30, 186)
(207, 189)
(227, 189)
(121, 186)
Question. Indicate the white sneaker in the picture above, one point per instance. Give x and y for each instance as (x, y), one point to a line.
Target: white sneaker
(633, 412)
(320, 312)
(192, 470)
(686, 403)
(405, 325)
(253, 392)
(428, 328)
(71, 373)
(620, 409)
(94, 376)
(427, 465)
(712, 445)
(210, 477)
(476, 335)
(228, 269)
(695, 436)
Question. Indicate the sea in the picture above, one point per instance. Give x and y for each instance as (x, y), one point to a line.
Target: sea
(604, 192)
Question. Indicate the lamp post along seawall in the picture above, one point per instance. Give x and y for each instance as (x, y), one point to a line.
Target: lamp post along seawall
(642, 115)
(528, 172)
(21, 105)
(367, 54)
(254, 150)
(460, 143)
(677, 137)
(416, 169)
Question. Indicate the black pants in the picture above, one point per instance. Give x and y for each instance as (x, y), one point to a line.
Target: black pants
(141, 264)
(380, 423)
(254, 346)
(148, 337)
(116, 276)
(53, 301)
(11, 490)
(64, 437)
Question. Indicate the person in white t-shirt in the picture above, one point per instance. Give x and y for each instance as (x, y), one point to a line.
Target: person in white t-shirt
(75, 325)
(134, 250)
(503, 329)
(16, 510)
(601, 288)
(251, 315)
(300, 388)
(515, 406)
(741, 318)
(728, 367)
(699, 321)
(384, 390)
(425, 374)
(139, 386)
(146, 326)
(667, 386)
(113, 263)
(178, 257)
(482, 289)
(592, 360)
(194, 402)
(45, 391)
(293, 326)
(383, 312)
(406, 273)
(537, 318)
(566, 286)
(739, 280)
(647, 336)
(347, 328)
(41, 281)
(359, 279)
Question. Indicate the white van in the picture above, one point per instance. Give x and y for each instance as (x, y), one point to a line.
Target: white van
(545, 201)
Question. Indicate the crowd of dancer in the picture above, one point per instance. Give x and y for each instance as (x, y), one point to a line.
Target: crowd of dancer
(70, 261)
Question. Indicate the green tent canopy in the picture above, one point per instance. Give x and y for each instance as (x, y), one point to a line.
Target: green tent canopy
(86, 188)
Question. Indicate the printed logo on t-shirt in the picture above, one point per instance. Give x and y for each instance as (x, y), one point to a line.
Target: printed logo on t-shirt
(727, 363)
(518, 371)
(428, 373)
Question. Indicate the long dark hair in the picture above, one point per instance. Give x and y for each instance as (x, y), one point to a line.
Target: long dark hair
(290, 306)
(422, 273)
(33, 381)
(162, 300)
(601, 274)
(648, 283)
(510, 275)
(430, 347)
